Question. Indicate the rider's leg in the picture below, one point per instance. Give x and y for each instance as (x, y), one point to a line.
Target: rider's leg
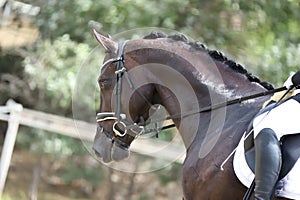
(267, 164)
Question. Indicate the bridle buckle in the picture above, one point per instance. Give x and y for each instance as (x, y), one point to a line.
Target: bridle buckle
(116, 129)
(120, 71)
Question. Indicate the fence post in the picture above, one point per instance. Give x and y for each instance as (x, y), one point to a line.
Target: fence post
(9, 142)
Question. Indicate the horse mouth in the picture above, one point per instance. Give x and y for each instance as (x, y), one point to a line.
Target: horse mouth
(105, 148)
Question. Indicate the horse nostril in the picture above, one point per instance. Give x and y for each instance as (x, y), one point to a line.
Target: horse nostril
(102, 147)
(97, 153)
(119, 153)
(100, 129)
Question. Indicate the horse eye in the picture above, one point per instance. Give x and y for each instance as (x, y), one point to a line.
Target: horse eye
(104, 83)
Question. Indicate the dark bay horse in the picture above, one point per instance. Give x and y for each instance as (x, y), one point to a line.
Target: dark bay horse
(183, 77)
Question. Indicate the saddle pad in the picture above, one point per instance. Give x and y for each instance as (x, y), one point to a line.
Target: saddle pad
(287, 187)
(290, 149)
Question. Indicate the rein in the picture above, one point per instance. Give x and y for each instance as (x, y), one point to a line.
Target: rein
(120, 118)
(217, 106)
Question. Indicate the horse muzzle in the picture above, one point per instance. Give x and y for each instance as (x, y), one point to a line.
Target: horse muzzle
(107, 148)
(112, 145)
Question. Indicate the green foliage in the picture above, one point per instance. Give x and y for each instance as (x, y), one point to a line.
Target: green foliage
(18, 195)
(261, 34)
(272, 30)
(52, 70)
(169, 173)
(93, 174)
(167, 135)
(5, 197)
(143, 196)
(10, 64)
(279, 61)
(43, 142)
(57, 17)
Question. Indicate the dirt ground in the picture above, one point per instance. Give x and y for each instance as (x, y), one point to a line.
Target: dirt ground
(40, 177)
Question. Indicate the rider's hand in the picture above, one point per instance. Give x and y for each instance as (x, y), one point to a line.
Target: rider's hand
(296, 78)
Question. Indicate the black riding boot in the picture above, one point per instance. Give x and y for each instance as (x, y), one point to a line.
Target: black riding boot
(267, 164)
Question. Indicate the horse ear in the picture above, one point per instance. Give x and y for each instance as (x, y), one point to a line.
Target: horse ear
(108, 44)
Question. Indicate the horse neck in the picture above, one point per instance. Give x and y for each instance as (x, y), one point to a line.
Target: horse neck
(198, 67)
(200, 125)
(187, 80)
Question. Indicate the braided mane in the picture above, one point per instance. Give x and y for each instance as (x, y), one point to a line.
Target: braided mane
(214, 54)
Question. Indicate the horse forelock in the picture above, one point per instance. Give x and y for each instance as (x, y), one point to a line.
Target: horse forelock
(214, 54)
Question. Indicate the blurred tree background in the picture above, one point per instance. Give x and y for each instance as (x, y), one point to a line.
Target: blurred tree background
(43, 45)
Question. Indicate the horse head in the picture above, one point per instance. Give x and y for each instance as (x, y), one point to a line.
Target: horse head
(123, 108)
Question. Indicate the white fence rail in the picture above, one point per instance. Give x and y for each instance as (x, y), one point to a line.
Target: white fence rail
(16, 115)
